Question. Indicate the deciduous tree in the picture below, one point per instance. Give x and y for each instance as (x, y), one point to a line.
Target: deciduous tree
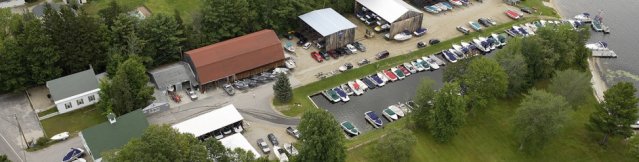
(221, 19)
(515, 66)
(634, 146)
(484, 81)
(448, 113)
(423, 98)
(397, 145)
(110, 13)
(322, 139)
(282, 89)
(540, 116)
(128, 89)
(573, 85)
(616, 113)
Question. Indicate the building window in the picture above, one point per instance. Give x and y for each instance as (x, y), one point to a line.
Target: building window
(80, 101)
(91, 98)
(67, 105)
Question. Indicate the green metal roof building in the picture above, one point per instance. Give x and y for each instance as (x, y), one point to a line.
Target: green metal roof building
(107, 136)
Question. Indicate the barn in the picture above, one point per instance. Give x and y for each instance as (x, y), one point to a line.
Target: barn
(400, 15)
(236, 58)
(330, 27)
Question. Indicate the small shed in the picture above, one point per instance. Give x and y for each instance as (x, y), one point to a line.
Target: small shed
(400, 15)
(332, 27)
(172, 76)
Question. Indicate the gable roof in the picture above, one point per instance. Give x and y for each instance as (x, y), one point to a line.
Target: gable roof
(106, 136)
(326, 21)
(72, 85)
(236, 55)
(210, 121)
(389, 10)
(171, 74)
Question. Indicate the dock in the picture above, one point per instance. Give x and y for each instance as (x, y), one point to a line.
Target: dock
(604, 53)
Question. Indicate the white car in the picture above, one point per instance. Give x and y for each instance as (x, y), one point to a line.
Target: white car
(351, 48)
(306, 45)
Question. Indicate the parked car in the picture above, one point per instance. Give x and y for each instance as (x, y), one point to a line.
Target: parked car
(333, 54)
(263, 146)
(302, 41)
(317, 56)
(463, 30)
(293, 132)
(73, 154)
(382, 55)
(348, 51)
(421, 44)
(227, 130)
(228, 89)
(433, 41)
(485, 22)
(526, 10)
(218, 134)
(191, 94)
(325, 55)
(306, 45)
(360, 46)
(351, 48)
(273, 139)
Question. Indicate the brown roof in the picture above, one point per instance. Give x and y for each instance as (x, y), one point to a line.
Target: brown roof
(223, 59)
(144, 11)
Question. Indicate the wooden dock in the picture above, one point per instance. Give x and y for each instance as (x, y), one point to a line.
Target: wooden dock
(604, 53)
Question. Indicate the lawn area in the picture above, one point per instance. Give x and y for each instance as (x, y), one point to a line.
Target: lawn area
(186, 7)
(487, 136)
(46, 112)
(74, 121)
(541, 8)
(300, 94)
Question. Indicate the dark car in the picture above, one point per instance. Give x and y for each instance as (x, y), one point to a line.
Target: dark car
(333, 54)
(360, 46)
(382, 55)
(263, 146)
(348, 51)
(526, 10)
(433, 41)
(340, 51)
(421, 44)
(485, 22)
(273, 139)
(293, 132)
(302, 41)
(325, 55)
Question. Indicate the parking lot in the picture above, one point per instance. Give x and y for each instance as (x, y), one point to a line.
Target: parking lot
(377, 99)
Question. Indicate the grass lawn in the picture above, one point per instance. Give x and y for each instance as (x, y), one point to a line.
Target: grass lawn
(487, 136)
(541, 8)
(74, 121)
(186, 7)
(300, 94)
(46, 112)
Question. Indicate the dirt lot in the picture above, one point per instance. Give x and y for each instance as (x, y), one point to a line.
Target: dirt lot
(441, 26)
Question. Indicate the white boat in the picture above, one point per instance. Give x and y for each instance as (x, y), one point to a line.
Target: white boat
(280, 154)
(349, 91)
(479, 46)
(361, 84)
(390, 115)
(484, 43)
(517, 28)
(584, 17)
(531, 26)
(431, 63)
(424, 64)
(542, 22)
(496, 37)
(397, 111)
(599, 46)
(456, 2)
(357, 90)
(458, 54)
(418, 66)
(529, 30)
(291, 149)
(465, 45)
(402, 36)
(410, 67)
(399, 76)
(382, 76)
(404, 107)
(60, 136)
(458, 48)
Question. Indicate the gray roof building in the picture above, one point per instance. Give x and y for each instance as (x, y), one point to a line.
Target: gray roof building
(326, 21)
(172, 74)
(72, 85)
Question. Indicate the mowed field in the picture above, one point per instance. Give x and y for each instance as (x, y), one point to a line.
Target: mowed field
(185, 7)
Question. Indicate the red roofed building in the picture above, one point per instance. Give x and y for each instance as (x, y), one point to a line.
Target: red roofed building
(236, 58)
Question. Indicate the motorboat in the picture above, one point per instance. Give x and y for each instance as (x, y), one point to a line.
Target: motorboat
(511, 32)
(411, 105)
(423, 63)
(347, 89)
(448, 5)
(465, 47)
(474, 25)
(527, 29)
(280, 154)
(458, 54)
(218, 134)
(484, 43)
(349, 128)
(583, 17)
(440, 62)
(597, 46)
(502, 39)
(420, 32)
(372, 118)
(534, 27)
(492, 43)
(73, 154)
(431, 9)
(459, 48)
(342, 95)
(389, 114)
(542, 22)
(404, 107)
(290, 149)
(456, 2)
(382, 76)
(402, 36)
(400, 75)
(498, 39)
(60, 136)
(433, 65)
(378, 80)
(538, 24)
(331, 95)
(404, 70)
(441, 6)
(410, 67)
(449, 56)
(369, 83)
(380, 28)
(418, 66)
(361, 84)
(397, 110)
(239, 84)
(357, 90)
(520, 30)
(390, 75)
(228, 89)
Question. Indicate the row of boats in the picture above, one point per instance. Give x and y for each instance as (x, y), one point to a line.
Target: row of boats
(445, 6)
(391, 113)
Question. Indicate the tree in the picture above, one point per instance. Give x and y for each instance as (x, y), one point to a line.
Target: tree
(4, 158)
(448, 113)
(160, 143)
(36, 51)
(515, 66)
(634, 145)
(569, 44)
(216, 150)
(573, 85)
(397, 145)
(455, 72)
(481, 71)
(540, 116)
(423, 98)
(164, 38)
(110, 13)
(123, 29)
(128, 89)
(540, 59)
(221, 19)
(322, 139)
(616, 113)
(282, 89)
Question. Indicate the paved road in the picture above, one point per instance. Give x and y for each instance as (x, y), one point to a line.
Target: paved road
(377, 99)
(11, 142)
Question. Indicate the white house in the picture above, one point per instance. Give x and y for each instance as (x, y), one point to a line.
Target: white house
(74, 91)
(80, 2)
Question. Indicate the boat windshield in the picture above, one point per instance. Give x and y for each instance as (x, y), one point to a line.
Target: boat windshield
(389, 111)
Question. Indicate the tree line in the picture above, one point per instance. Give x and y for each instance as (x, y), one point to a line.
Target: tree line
(34, 50)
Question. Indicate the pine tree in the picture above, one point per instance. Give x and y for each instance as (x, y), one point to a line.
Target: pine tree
(616, 113)
(282, 88)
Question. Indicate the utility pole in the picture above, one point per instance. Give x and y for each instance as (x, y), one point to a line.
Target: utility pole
(20, 128)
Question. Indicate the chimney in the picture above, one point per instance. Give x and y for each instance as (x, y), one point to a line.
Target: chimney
(111, 117)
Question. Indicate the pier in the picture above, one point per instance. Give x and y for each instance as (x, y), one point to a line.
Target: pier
(604, 53)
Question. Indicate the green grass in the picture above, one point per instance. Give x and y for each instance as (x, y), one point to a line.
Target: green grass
(46, 112)
(74, 121)
(487, 136)
(185, 7)
(541, 8)
(300, 94)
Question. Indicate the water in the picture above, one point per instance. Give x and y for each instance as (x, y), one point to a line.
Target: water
(622, 18)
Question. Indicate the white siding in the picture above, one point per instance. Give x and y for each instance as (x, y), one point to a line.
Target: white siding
(73, 101)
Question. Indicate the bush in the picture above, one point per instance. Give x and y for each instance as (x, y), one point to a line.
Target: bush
(42, 141)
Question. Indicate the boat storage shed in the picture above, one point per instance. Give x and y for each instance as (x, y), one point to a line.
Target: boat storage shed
(172, 76)
(202, 126)
(74, 91)
(236, 58)
(398, 13)
(108, 136)
(239, 141)
(335, 30)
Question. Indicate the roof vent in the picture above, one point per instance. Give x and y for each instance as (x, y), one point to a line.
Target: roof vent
(111, 117)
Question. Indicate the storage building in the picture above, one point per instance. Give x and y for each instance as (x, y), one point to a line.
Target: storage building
(331, 27)
(400, 15)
